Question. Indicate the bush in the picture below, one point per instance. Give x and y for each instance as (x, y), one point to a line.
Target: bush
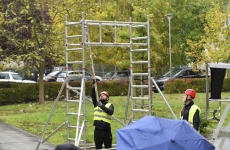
(179, 85)
(27, 92)
(11, 93)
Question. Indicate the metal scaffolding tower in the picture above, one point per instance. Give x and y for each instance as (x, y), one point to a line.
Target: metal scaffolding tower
(220, 132)
(140, 88)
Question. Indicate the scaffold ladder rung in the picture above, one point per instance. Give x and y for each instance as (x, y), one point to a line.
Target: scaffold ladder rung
(73, 113)
(140, 74)
(140, 38)
(71, 126)
(139, 62)
(140, 110)
(73, 101)
(115, 44)
(72, 139)
(73, 49)
(72, 23)
(74, 88)
(139, 26)
(74, 62)
(140, 98)
(139, 50)
(140, 86)
(70, 44)
(74, 36)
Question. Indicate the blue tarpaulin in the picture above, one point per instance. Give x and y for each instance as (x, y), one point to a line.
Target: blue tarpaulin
(154, 133)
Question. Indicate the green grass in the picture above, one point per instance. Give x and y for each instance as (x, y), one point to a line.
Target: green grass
(32, 117)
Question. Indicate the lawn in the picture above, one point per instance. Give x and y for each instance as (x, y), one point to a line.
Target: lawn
(32, 117)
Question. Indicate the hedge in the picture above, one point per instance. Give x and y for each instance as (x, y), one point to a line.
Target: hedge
(11, 93)
(198, 84)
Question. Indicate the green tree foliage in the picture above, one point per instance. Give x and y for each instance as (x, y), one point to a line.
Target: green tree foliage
(214, 45)
(34, 31)
(28, 30)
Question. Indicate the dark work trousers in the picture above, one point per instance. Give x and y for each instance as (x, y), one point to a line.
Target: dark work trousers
(102, 137)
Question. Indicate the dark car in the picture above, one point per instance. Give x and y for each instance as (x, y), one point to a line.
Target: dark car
(121, 75)
(178, 73)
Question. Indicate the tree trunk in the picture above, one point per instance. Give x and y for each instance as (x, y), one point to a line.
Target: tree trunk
(41, 83)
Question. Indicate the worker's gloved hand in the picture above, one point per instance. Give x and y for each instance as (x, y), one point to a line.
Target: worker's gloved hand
(94, 82)
(99, 104)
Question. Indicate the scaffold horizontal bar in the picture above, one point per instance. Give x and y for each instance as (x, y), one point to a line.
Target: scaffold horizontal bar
(139, 62)
(71, 126)
(140, 98)
(74, 62)
(115, 44)
(74, 88)
(68, 44)
(139, 26)
(115, 22)
(140, 74)
(72, 23)
(73, 49)
(72, 139)
(140, 86)
(140, 110)
(74, 114)
(140, 38)
(73, 101)
(139, 50)
(109, 24)
(73, 36)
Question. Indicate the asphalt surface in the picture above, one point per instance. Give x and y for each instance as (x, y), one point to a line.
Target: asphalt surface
(12, 138)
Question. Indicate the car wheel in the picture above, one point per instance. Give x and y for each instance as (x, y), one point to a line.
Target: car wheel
(155, 91)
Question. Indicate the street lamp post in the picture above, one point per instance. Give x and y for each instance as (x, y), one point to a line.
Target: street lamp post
(169, 17)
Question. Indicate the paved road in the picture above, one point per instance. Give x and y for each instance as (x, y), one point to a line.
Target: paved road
(12, 138)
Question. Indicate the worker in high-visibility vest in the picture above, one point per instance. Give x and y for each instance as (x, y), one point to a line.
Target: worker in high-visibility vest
(190, 111)
(103, 111)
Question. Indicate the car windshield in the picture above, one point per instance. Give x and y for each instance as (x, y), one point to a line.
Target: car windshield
(63, 74)
(109, 74)
(86, 73)
(174, 72)
(16, 77)
(53, 73)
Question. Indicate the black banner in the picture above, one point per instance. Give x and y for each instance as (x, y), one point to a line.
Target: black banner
(217, 79)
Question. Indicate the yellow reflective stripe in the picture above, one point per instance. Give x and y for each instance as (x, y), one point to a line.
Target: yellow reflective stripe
(99, 114)
(192, 112)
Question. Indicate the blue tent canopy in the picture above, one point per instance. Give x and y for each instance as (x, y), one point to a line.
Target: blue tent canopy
(153, 133)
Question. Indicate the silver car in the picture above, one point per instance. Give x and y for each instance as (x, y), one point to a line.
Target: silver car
(13, 77)
(75, 76)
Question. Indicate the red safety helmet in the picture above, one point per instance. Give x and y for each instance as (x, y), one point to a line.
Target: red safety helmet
(191, 93)
(106, 93)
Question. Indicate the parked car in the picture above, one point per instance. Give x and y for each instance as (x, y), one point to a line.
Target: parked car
(52, 77)
(76, 76)
(178, 73)
(120, 75)
(13, 77)
(108, 75)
